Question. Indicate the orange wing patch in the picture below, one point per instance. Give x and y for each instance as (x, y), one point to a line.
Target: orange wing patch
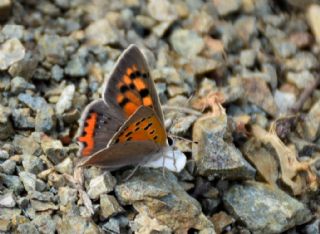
(145, 129)
(133, 91)
(87, 138)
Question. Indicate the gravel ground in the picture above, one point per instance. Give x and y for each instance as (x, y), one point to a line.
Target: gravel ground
(238, 78)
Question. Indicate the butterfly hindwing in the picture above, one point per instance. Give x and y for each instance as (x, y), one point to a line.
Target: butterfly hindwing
(98, 125)
(131, 86)
(143, 125)
(122, 154)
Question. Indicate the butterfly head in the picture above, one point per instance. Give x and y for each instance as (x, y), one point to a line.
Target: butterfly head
(170, 141)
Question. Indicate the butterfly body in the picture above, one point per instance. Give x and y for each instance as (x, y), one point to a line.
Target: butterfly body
(125, 127)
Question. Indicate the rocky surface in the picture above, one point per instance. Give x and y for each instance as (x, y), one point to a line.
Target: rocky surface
(239, 83)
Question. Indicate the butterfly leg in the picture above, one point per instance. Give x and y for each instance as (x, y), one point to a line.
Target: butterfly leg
(132, 172)
(174, 160)
(163, 167)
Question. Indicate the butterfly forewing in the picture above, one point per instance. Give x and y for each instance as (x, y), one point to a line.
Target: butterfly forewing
(130, 85)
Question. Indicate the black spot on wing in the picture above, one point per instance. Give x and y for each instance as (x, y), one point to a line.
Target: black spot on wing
(124, 88)
(144, 93)
(124, 102)
(148, 126)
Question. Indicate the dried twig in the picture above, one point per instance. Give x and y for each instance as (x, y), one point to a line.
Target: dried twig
(181, 109)
(304, 95)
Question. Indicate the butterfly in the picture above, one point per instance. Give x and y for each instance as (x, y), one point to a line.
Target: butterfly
(126, 126)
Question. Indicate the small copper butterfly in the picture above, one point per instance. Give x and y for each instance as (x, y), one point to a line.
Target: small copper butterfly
(126, 127)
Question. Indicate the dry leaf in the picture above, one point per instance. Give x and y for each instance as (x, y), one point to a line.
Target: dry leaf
(290, 167)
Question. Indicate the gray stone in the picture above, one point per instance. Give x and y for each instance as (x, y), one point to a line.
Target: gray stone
(64, 4)
(41, 74)
(27, 228)
(270, 74)
(33, 102)
(301, 79)
(168, 74)
(45, 119)
(77, 224)
(65, 101)
(313, 227)
(32, 164)
(13, 31)
(215, 156)
(4, 154)
(101, 184)
(8, 167)
(145, 224)
(76, 68)
(53, 149)
(284, 49)
(5, 9)
(6, 129)
(158, 198)
(41, 196)
(109, 206)
(203, 22)
(313, 16)
(56, 180)
(25, 67)
(302, 61)
(284, 101)
(112, 226)
(5, 225)
(51, 47)
(28, 145)
(182, 125)
(19, 85)
(23, 202)
(12, 182)
(100, 32)
(186, 43)
(48, 8)
(57, 73)
(29, 180)
(7, 200)
(11, 51)
(200, 65)
(66, 166)
(67, 195)
(247, 58)
(22, 118)
(226, 7)
(246, 28)
(312, 122)
(41, 185)
(8, 213)
(45, 224)
(257, 92)
(43, 206)
(270, 211)
(162, 11)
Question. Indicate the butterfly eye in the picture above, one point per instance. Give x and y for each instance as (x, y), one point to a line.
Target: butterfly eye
(170, 141)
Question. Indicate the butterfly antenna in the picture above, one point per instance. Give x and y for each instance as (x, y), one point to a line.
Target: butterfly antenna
(184, 139)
